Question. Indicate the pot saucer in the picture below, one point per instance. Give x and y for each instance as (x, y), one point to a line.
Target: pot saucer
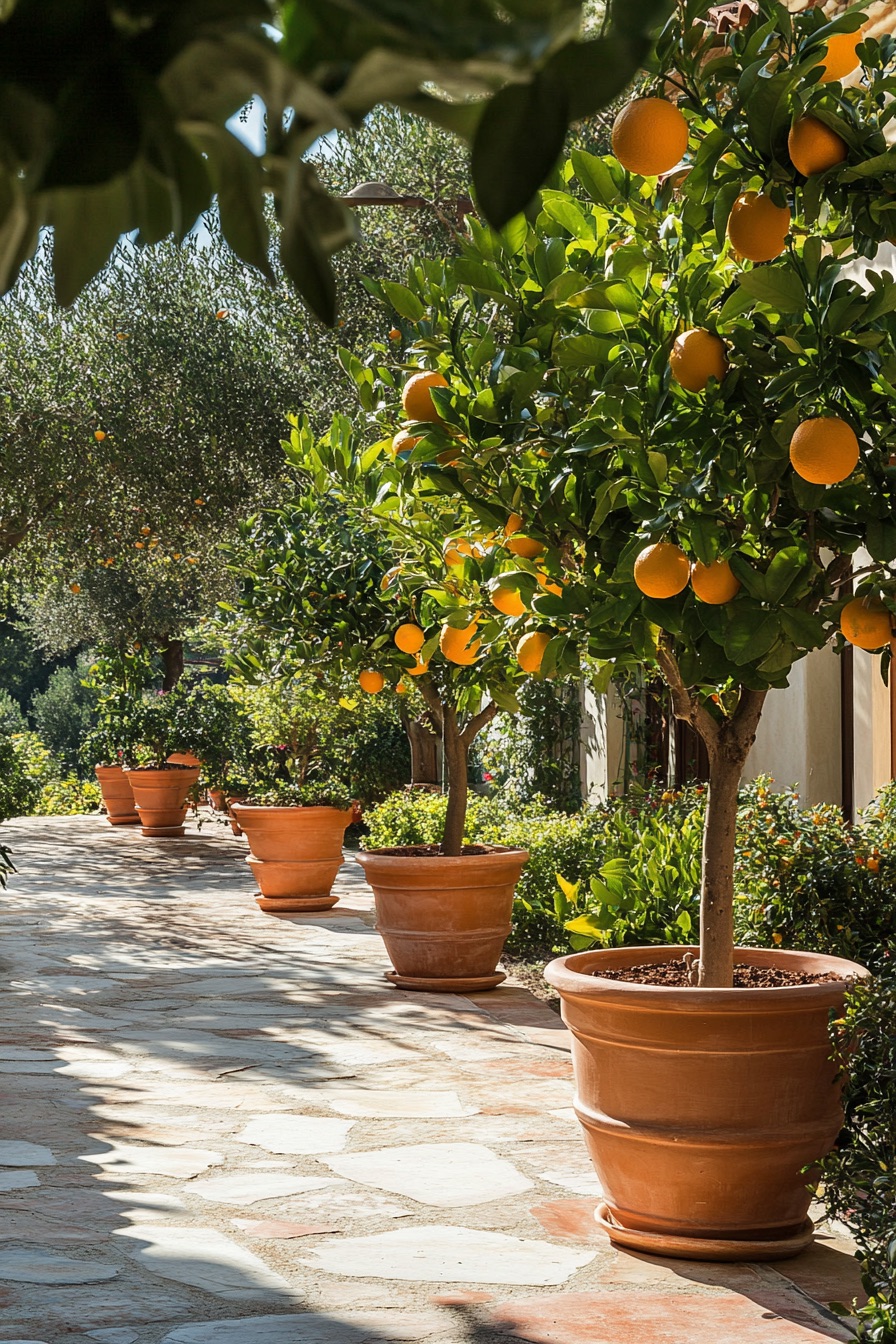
(703, 1248)
(467, 984)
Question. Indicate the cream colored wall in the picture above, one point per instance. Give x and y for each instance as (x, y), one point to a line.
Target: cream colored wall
(601, 744)
(872, 728)
(798, 741)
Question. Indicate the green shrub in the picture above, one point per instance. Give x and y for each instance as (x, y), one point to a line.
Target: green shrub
(65, 713)
(859, 1177)
(67, 797)
(12, 720)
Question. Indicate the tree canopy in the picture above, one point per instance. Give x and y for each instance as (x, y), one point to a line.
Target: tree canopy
(115, 114)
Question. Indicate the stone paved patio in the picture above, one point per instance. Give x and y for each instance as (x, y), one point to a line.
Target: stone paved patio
(220, 1127)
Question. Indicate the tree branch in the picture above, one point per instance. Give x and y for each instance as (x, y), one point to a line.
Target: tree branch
(429, 691)
(475, 726)
(684, 705)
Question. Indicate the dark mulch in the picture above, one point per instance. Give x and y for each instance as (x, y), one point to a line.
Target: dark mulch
(530, 975)
(430, 851)
(674, 974)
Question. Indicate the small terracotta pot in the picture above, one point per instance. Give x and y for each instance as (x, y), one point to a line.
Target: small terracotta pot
(118, 796)
(161, 797)
(295, 854)
(444, 919)
(234, 824)
(216, 799)
(702, 1107)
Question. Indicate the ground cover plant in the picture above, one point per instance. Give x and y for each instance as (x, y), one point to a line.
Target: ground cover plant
(677, 398)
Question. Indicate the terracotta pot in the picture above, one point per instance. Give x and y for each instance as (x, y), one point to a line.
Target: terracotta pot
(216, 799)
(295, 854)
(161, 797)
(701, 1107)
(118, 796)
(444, 919)
(182, 758)
(234, 824)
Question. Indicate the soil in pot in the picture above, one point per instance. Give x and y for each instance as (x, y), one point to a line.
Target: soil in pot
(295, 854)
(118, 796)
(444, 919)
(701, 1108)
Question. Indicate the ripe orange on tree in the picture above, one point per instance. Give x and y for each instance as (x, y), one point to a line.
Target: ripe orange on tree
(546, 582)
(525, 547)
(458, 643)
(714, 583)
(419, 668)
(662, 570)
(824, 450)
(650, 136)
(455, 550)
(404, 442)
(409, 638)
(840, 57)
(866, 622)
(75, 588)
(530, 650)
(757, 228)
(99, 435)
(513, 524)
(508, 601)
(394, 334)
(416, 397)
(813, 147)
(371, 682)
(697, 356)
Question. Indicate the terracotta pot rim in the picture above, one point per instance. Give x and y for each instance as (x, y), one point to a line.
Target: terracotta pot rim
(569, 975)
(290, 808)
(388, 854)
(166, 769)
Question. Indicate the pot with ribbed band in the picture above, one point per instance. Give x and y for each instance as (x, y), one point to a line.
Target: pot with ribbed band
(118, 796)
(295, 853)
(701, 1108)
(444, 918)
(161, 795)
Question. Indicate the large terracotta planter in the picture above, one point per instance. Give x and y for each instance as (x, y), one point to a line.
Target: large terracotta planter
(118, 796)
(701, 1107)
(444, 919)
(295, 854)
(161, 797)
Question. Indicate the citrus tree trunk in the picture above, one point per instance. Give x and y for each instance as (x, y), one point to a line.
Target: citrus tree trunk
(457, 754)
(728, 741)
(173, 663)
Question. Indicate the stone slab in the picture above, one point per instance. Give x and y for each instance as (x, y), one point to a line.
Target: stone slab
(296, 1134)
(35, 1266)
(446, 1175)
(204, 1258)
(654, 1318)
(368, 1327)
(19, 1153)
(440, 1254)
(254, 1187)
(124, 1160)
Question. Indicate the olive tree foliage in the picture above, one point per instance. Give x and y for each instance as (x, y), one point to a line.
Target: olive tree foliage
(113, 113)
(554, 340)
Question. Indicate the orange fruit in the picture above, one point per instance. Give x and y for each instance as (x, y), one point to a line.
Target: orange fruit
(662, 570)
(75, 587)
(416, 398)
(394, 334)
(199, 502)
(757, 228)
(455, 550)
(145, 531)
(549, 586)
(526, 547)
(840, 57)
(508, 601)
(371, 682)
(824, 450)
(714, 583)
(697, 356)
(221, 314)
(650, 136)
(99, 435)
(458, 645)
(404, 442)
(409, 638)
(419, 668)
(401, 689)
(513, 524)
(530, 650)
(814, 147)
(866, 622)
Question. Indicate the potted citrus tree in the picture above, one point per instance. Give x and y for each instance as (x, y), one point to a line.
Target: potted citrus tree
(165, 728)
(119, 676)
(291, 809)
(676, 379)
(372, 583)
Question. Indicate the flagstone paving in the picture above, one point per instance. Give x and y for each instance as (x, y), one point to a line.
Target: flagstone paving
(222, 1127)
